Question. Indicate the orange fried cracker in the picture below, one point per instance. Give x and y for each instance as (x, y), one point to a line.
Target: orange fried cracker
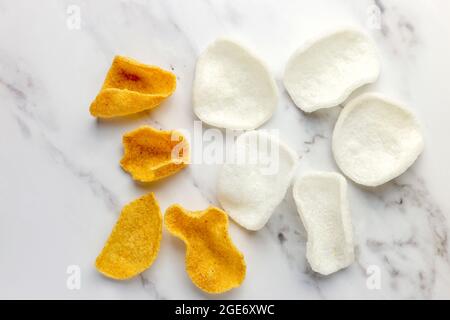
(134, 242)
(132, 87)
(213, 263)
(151, 154)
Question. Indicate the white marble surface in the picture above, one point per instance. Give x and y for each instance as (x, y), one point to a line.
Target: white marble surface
(61, 187)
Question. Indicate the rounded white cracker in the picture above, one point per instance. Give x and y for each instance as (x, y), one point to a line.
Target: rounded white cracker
(232, 88)
(250, 190)
(323, 73)
(375, 140)
(321, 199)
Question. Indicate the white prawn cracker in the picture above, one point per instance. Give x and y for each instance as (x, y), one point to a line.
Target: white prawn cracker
(321, 199)
(232, 88)
(251, 187)
(323, 73)
(375, 140)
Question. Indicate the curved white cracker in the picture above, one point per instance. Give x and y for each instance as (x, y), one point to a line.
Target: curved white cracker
(232, 88)
(323, 73)
(321, 199)
(250, 190)
(375, 140)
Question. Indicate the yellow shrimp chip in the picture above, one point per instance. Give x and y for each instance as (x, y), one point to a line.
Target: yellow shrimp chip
(151, 154)
(134, 242)
(213, 263)
(132, 87)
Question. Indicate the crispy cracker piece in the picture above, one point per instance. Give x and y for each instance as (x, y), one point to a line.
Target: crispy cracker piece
(213, 263)
(321, 199)
(132, 87)
(151, 154)
(376, 139)
(233, 88)
(134, 242)
(324, 72)
(251, 189)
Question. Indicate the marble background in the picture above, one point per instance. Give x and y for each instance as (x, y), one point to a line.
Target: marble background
(61, 187)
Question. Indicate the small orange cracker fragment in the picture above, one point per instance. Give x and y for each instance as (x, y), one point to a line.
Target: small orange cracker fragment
(132, 87)
(213, 263)
(151, 154)
(134, 242)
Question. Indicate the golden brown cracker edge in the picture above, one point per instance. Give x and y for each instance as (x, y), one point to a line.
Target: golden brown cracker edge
(151, 154)
(134, 242)
(131, 87)
(213, 262)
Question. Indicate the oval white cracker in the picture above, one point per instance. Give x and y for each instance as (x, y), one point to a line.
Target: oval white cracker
(232, 88)
(375, 140)
(321, 199)
(323, 73)
(250, 188)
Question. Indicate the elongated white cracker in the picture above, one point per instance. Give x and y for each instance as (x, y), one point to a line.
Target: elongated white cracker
(321, 199)
(375, 140)
(250, 190)
(323, 73)
(232, 88)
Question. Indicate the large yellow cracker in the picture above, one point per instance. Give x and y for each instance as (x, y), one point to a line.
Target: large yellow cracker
(134, 242)
(213, 263)
(132, 87)
(151, 154)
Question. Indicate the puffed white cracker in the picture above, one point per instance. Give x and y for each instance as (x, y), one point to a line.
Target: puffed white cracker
(321, 199)
(375, 140)
(323, 72)
(250, 190)
(232, 88)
